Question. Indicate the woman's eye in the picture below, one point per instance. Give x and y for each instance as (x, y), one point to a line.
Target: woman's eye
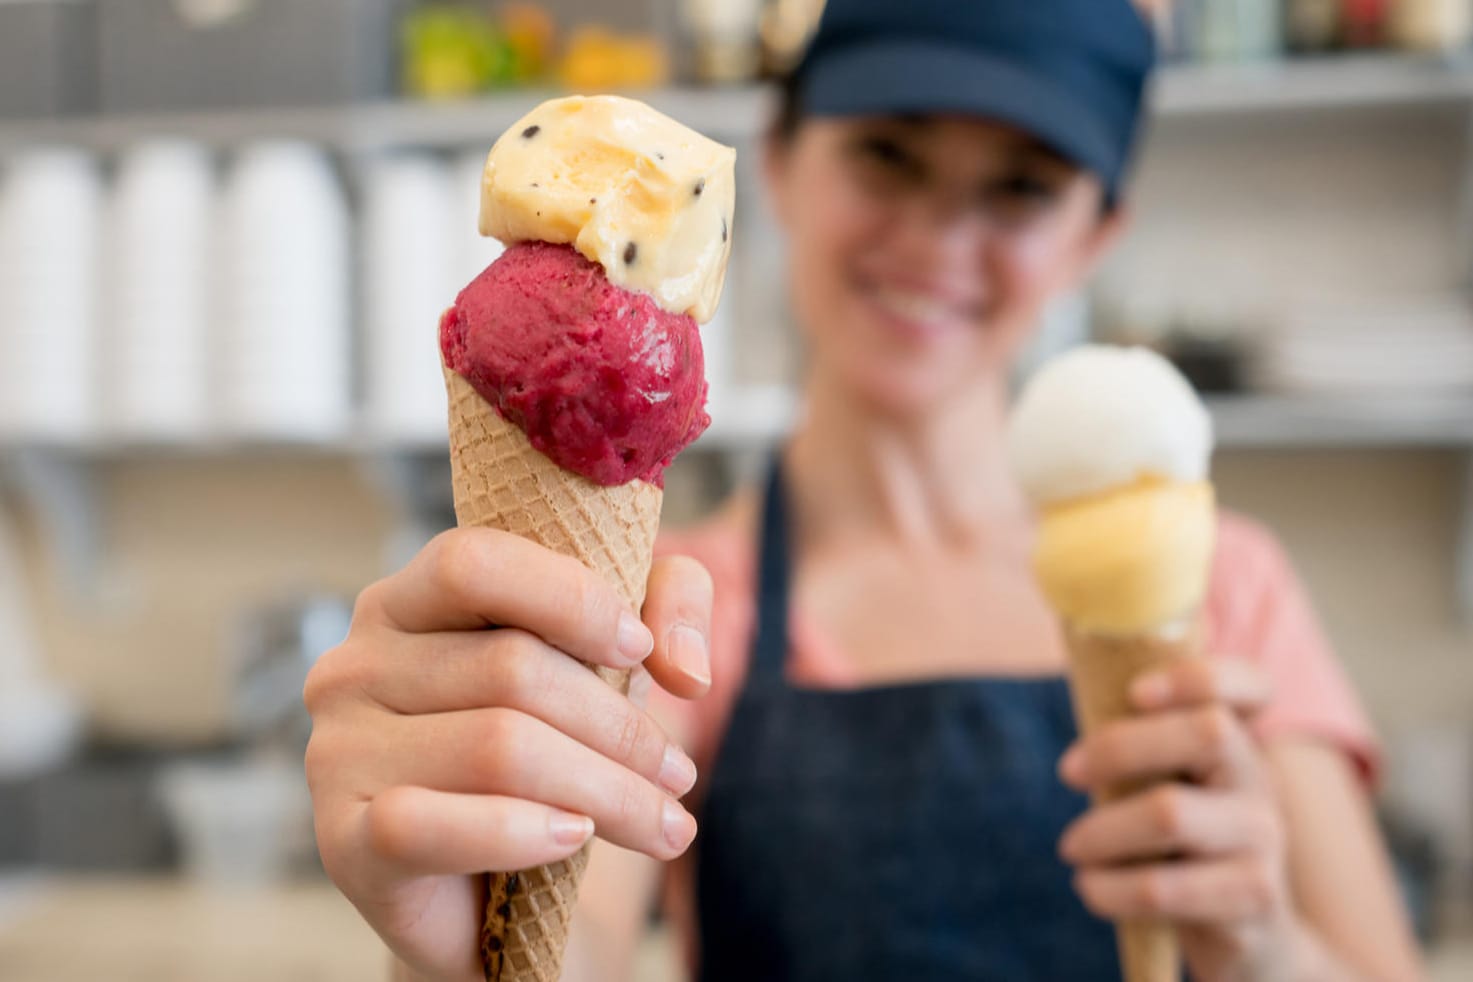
(1023, 187)
(890, 156)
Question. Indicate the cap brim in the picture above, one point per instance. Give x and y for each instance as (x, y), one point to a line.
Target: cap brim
(908, 76)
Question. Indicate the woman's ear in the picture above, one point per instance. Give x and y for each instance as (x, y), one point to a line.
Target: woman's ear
(1098, 241)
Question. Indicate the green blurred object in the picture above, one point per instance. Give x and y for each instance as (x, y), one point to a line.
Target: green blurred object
(451, 51)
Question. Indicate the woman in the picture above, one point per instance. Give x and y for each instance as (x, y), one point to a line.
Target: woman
(877, 749)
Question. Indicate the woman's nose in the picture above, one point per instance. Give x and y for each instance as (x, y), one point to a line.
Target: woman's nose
(946, 232)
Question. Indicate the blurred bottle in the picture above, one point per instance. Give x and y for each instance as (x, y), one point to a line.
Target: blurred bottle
(473, 251)
(1364, 23)
(1238, 30)
(1312, 25)
(786, 28)
(157, 291)
(597, 58)
(1433, 25)
(450, 51)
(531, 33)
(408, 275)
(726, 38)
(285, 369)
(50, 202)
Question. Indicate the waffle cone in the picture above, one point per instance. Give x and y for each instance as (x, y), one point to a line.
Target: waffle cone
(502, 482)
(1101, 669)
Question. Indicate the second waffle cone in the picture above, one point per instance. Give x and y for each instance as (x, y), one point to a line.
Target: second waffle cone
(1101, 669)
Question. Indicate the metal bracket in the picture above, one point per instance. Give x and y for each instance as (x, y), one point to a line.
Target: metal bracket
(1464, 555)
(59, 487)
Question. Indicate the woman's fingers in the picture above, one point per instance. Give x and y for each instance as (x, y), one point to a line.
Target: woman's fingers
(1168, 820)
(1208, 743)
(1234, 682)
(517, 671)
(429, 833)
(1210, 890)
(677, 609)
(505, 752)
(472, 578)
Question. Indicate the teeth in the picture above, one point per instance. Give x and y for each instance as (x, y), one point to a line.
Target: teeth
(912, 306)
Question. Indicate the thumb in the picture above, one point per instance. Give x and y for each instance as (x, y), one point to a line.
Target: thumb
(677, 610)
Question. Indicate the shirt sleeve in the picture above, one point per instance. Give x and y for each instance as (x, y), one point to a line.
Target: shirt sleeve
(1258, 610)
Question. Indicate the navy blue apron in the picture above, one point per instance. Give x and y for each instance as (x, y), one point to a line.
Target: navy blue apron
(897, 833)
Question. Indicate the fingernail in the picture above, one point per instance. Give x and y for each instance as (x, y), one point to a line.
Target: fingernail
(569, 829)
(677, 771)
(687, 651)
(635, 642)
(1151, 690)
(678, 826)
(1071, 765)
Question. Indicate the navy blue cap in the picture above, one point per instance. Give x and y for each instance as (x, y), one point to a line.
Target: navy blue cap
(1071, 73)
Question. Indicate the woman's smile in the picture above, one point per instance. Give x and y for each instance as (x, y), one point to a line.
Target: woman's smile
(917, 313)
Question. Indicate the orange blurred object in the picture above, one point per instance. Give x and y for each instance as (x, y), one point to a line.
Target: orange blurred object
(531, 32)
(597, 58)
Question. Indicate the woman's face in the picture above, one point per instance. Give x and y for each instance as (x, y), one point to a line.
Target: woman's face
(924, 249)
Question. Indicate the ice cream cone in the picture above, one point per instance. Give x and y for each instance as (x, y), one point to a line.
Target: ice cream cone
(1101, 669)
(502, 482)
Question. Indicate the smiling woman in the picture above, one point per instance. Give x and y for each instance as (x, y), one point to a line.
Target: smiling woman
(890, 782)
(925, 247)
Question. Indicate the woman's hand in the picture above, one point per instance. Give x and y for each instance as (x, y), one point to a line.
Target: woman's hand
(1206, 849)
(443, 748)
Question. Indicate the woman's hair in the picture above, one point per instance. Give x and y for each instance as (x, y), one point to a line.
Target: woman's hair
(789, 109)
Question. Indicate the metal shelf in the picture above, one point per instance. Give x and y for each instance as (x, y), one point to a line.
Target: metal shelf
(1328, 82)
(1343, 421)
(763, 414)
(1341, 81)
(730, 112)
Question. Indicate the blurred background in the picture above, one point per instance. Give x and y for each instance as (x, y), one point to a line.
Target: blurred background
(227, 228)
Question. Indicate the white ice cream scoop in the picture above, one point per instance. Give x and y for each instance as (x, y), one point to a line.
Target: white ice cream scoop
(1100, 417)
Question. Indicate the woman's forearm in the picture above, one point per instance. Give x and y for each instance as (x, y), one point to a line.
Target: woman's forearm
(403, 973)
(1313, 960)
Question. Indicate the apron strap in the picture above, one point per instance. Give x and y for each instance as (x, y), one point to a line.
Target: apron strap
(770, 646)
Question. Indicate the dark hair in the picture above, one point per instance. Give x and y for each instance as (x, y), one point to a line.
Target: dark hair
(789, 108)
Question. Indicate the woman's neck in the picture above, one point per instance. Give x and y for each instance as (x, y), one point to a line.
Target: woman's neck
(941, 481)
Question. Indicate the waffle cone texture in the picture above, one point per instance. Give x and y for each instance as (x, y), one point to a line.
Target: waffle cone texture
(1101, 669)
(501, 481)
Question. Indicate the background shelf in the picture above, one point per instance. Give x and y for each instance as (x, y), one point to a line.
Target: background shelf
(741, 112)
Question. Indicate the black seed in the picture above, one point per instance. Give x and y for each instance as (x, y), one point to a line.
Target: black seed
(536, 185)
(723, 228)
(493, 943)
(512, 884)
(593, 201)
(700, 186)
(659, 155)
(631, 251)
(531, 131)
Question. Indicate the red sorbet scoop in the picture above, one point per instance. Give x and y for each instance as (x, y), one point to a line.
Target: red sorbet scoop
(602, 380)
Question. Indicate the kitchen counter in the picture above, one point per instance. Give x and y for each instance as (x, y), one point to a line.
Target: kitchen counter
(167, 930)
(116, 929)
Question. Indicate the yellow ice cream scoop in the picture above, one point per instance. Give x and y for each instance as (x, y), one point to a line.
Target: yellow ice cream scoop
(630, 188)
(1126, 561)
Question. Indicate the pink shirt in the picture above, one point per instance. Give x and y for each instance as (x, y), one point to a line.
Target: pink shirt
(1255, 609)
